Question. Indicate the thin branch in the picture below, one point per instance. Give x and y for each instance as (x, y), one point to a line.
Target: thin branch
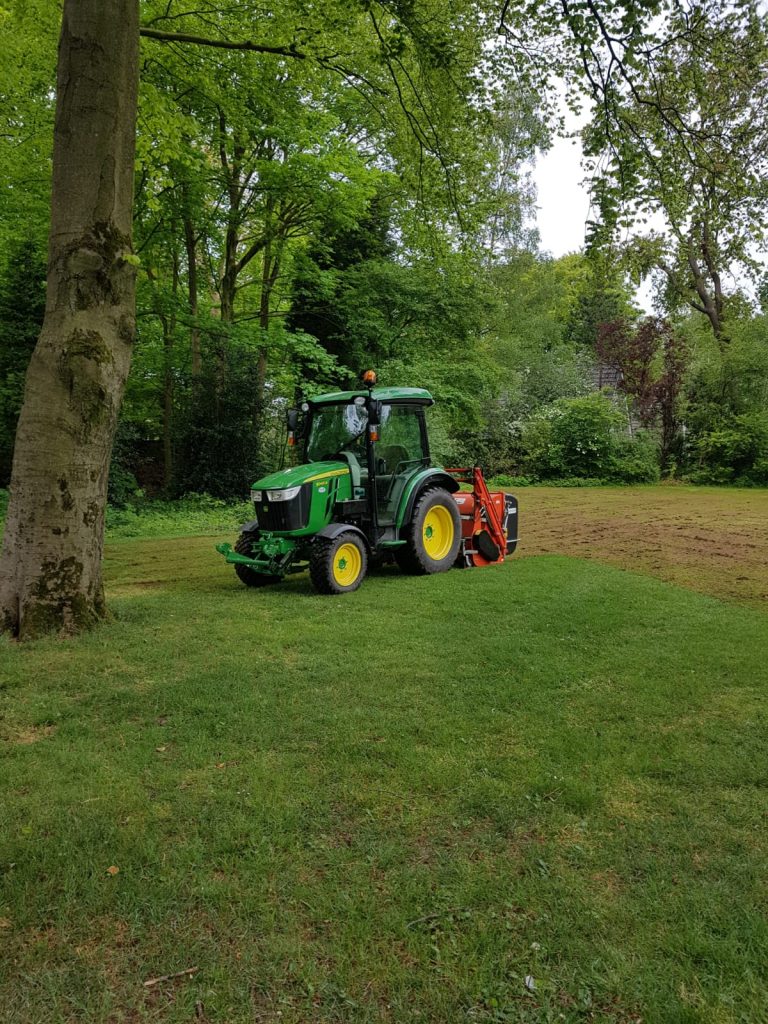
(223, 44)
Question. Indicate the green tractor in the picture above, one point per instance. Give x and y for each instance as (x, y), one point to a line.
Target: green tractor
(366, 489)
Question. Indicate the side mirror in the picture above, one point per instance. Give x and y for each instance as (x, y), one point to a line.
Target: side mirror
(374, 411)
(292, 419)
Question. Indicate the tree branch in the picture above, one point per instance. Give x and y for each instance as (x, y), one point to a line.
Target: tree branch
(223, 44)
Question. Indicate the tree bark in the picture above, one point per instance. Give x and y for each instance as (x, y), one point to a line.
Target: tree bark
(190, 244)
(169, 337)
(711, 306)
(50, 565)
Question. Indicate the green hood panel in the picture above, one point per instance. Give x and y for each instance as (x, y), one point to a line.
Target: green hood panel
(295, 475)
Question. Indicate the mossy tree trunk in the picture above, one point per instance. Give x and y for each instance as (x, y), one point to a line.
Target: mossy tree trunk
(50, 565)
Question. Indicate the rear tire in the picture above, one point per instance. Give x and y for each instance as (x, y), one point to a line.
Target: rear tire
(245, 573)
(433, 536)
(338, 565)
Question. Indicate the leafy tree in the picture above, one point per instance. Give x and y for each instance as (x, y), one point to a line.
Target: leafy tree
(319, 277)
(50, 565)
(680, 136)
(29, 31)
(737, 453)
(22, 303)
(603, 296)
(652, 361)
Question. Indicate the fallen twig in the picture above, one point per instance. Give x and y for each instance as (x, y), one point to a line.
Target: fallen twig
(170, 977)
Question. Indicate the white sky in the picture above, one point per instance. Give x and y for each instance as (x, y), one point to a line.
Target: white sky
(563, 205)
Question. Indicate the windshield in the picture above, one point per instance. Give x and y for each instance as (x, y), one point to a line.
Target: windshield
(337, 428)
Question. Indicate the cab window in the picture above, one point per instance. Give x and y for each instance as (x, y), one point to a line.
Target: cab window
(400, 437)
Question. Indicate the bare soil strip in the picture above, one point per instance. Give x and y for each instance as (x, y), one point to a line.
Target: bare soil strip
(712, 540)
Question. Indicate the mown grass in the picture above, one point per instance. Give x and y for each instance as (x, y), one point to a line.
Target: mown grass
(389, 807)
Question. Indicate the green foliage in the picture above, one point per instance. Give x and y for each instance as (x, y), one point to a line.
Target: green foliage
(574, 437)
(297, 219)
(193, 514)
(678, 136)
(636, 459)
(122, 485)
(737, 453)
(724, 386)
(604, 296)
(217, 449)
(22, 303)
(584, 438)
(29, 31)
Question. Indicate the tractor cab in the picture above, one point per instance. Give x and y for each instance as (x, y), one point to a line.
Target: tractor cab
(380, 435)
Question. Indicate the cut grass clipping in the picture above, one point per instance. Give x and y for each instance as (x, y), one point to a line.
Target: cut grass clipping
(528, 793)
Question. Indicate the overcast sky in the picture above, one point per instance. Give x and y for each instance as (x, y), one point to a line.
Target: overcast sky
(563, 204)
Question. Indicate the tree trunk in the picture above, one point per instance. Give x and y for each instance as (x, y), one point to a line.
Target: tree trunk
(169, 337)
(190, 244)
(50, 566)
(709, 304)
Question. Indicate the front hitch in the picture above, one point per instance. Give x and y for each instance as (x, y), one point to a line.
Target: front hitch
(274, 555)
(230, 555)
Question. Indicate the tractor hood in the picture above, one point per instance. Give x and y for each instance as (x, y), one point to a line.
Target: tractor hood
(296, 475)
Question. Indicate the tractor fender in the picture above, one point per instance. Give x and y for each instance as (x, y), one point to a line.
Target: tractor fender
(251, 527)
(424, 481)
(334, 529)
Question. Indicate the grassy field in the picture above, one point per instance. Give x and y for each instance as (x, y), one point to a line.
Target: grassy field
(399, 805)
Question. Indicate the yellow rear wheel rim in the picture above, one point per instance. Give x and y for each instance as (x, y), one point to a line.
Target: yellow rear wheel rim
(438, 532)
(347, 563)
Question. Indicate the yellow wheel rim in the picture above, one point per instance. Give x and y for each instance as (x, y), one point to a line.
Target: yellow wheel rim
(437, 532)
(347, 563)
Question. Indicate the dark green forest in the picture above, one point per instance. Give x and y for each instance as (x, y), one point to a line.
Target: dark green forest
(290, 231)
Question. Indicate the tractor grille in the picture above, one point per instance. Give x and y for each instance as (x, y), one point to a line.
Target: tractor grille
(285, 516)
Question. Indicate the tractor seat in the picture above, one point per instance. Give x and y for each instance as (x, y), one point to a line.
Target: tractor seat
(393, 455)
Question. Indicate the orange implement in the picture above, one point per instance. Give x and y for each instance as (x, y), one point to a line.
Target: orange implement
(488, 520)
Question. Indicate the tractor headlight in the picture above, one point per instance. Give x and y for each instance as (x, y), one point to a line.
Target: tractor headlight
(284, 495)
(256, 495)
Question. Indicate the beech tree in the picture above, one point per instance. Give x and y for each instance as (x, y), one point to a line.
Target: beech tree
(50, 566)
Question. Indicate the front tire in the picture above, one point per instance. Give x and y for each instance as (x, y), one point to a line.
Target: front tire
(433, 536)
(245, 573)
(338, 565)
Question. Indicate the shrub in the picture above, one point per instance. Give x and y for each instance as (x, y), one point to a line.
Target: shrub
(505, 480)
(192, 514)
(584, 434)
(123, 486)
(582, 441)
(573, 437)
(636, 460)
(737, 453)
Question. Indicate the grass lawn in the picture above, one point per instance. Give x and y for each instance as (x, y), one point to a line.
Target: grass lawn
(389, 807)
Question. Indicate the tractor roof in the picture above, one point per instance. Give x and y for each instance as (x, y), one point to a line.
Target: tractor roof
(420, 395)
